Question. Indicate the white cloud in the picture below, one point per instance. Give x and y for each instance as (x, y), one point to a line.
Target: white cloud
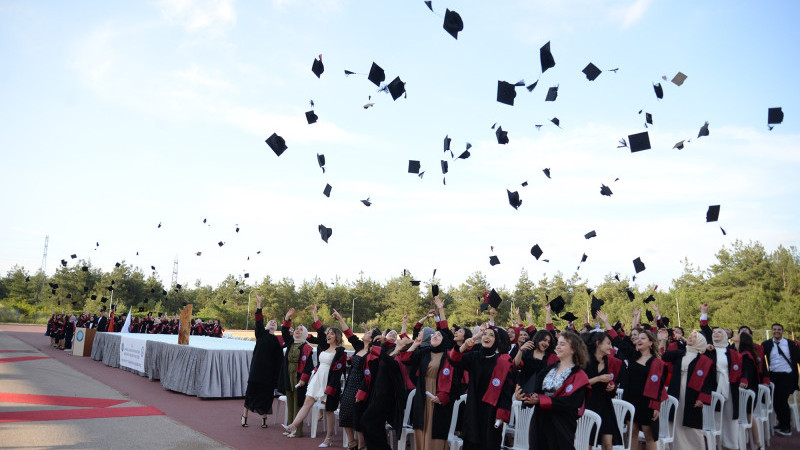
(632, 14)
(199, 15)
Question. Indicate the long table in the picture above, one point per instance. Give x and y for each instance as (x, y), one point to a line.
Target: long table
(207, 367)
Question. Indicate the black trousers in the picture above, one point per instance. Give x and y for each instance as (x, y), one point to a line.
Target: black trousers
(784, 387)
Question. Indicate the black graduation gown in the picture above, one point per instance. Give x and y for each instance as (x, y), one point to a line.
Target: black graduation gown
(442, 414)
(386, 401)
(554, 428)
(530, 366)
(600, 402)
(692, 417)
(265, 367)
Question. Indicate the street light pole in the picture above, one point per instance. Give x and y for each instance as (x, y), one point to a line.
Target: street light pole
(353, 314)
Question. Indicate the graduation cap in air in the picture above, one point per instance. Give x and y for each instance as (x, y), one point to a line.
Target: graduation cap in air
(629, 293)
(154, 267)
(506, 92)
(774, 116)
(679, 78)
(665, 321)
(396, 88)
(703, 130)
(317, 67)
(502, 136)
(103, 299)
(464, 155)
(679, 145)
(513, 199)
(452, 23)
(659, 90)
(546, 58)
(247, 275)
(64, 262)
(141, 309)
(69, 295)
(583, 260)
(638, 265)
(649, 315)
(494, 299)
(27, 279)
(552, 94)
(85, 268)
(220, 243)
(532, 86)
(103, 309)
(446, 143)
(53, 285)
(110, 288)
(546, 171)
(494, 260)
(415, 282)
(639, 141)
(569, 317)
(241, 291)
(524, 183)
(648, 119)
(327, 190)
(93, 297)
(605, 190)
(73, 256)
(376, 75)
(74, 303)
(557, 305)
(325, 232)
(591, 71)
(413, 166)
(183, 303)
(712, 215)
(177, 287)
(435, 290)
(321, 161)
(536, 251)
(366, 202)
(590, 234)
(311, 117)
(224, 301)
(159, 226)
(445, 167)
(277, 144)
(556, 122)
(117, 265)
(54, 292)
(649, 299)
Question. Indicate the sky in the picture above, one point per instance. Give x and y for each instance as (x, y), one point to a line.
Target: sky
(118, 117)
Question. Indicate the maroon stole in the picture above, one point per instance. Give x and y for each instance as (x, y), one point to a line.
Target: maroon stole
(735, 369)
(336, 371)
(444, 381)
(499, 374)
(748, 355)
(374, 353)
(698, 377)
(614, 366)
(574, 382)
(552, 359)
(653, 388)
(305, 354)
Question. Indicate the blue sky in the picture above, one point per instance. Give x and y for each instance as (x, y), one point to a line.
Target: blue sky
(118, 117)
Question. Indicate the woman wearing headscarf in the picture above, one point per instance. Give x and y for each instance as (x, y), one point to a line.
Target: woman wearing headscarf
(491, 387)
(693, 378)
(264, 369)
(296, 369)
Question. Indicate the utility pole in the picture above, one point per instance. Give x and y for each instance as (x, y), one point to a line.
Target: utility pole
(353, 314)
(43, 269)
(175, 272)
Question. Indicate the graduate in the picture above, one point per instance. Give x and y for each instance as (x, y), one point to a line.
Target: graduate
(296, 368)
(603, 371)
(265, 368)
(383, 390)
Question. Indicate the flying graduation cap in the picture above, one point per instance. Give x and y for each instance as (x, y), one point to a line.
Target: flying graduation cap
(327, 190)
(452, 23)
(638, 265)
(494, 260)
(557, 305)
(679, 78)
(513, 199)
(506, 92)
(546, 58)
(502, 136)
(712, 215)
(597, 304)
(536, 251)
(311, 117)
(396, 88)
(639, 141)
(590, 234)
(552, 94)
(376, 75)
(317, 67)
(546, 171)
(592, 72)
(413, 166)
(569, 317)
(492, 299)
(321, 161)
(276, 143)
(366, 202)
(774, 116)
(703, 130)
(605, 190)
(659, 90)
(325, 232)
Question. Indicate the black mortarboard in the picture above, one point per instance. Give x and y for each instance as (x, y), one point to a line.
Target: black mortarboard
(74, 303)
(638, 265)
(506, 92)
(597, 303)
(413, 166)
(247, 275)
(64, 262)
(502, 136)
(723, 231)
(429, 4)
(103, 309)
(164, 291)
(141, 309)
(317, 67)
(183, 303)
(376, 74)
(327, 190)
(659, 90)
(679, 145)
(556, 122)
(69, 295)
(397, 88)
(494, 299)
(117, 265)
(546, 57)
(446, 143)
(110, 289)
(665, 321)
(103, 299)
(639, 141)
(321, 161)
(649, 315)
(452, 23)
(605, 190)
(277, 144)
(153, 267)
(178, 287)
(237, 226)
(27, 279)
(590, 234)
(93, 297)
(703, 130)
(366, 202)
(713, 213)
(532, 86)
(774, 115)
(73, 256)
(224, 301)
(325, 232)
(629, 292)
(513, 199)
(524, 183)
(648, 118)
(536, 251)
(557, 305)
(435, 290)
(583, 259)
(415, 282)
(569, 317)
(241, 291)
(220, 243)
(494, 260)
(649, 299)
(311, 117)
(85, 268)
(679, 78)
(552, 93)
(591, 71)
(464, 155)
(53, 285)
(546, 171)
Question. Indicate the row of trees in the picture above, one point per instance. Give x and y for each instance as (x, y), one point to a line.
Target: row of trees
(747, 285)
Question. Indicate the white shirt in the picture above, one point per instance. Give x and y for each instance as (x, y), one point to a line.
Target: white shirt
(777, 363)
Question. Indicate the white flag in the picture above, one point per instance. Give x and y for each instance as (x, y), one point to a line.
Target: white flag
(127, 325)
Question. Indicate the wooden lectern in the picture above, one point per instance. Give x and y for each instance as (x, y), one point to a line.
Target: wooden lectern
(82, 344)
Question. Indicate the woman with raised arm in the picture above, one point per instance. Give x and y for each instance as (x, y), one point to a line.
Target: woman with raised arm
(603, 371)
(296, 370)
(265, 368)
(559, 394)
(325, 382)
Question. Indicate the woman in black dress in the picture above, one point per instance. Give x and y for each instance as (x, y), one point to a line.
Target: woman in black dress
(603, 371)
(264, 369)
(645, 387)
(534, 355)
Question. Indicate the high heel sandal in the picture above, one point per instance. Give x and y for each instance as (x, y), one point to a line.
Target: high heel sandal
(290, 431)
(244, 421)
(264, 422)
(352, 446)
(326, 443)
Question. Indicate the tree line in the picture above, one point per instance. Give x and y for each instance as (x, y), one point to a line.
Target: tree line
(746, 285)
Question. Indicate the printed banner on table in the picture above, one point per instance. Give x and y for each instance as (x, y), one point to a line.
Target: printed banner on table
(131, 352)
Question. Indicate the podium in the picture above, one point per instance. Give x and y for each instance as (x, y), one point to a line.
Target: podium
(82, 344)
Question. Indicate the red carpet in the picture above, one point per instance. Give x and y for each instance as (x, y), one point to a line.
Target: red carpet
(32, 399)
(19, 351)
(75, 414)
(22, 358)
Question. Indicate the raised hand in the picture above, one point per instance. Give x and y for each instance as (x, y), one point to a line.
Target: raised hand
(313, 309)
(289, 313)
(602, 316)
(527, 346)
(405, 318)
(336, 315)
(547, 307)
(704, 308)
(258, 301)
(438, 302)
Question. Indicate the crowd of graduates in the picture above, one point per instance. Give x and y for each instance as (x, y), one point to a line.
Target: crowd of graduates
(560, 372)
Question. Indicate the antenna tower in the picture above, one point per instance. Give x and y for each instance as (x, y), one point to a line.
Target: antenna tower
(44, 267)
(175, 272)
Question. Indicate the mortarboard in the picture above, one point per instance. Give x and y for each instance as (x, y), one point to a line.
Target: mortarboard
(220, 243)
(597, 303)
(110, 289)
(513, 199)
(590, 234)
(325, 232)
(546, 171)
(241, 291)
(103, 299)
(502, 136)
(649, 299)
(464, 155)
(557, 305)
(69, 295)
(376, 74)
(569, 317)
(679, 145)
(723, 231)
(639, 141)
(311, 117)
(247, 275)
(85, 268)
(591, 71)
(317, 67)
(532, 86)
(648, 118)
(444, 167)
(659, 90)
(164, 291)
(413, 166)
(366, 202)
(447, 143)
(27, 279)
(629, 293)
(506, 92)
(397, 88)
(237, 225)
(713, 213)
(74, 303)
(556, 122)
(277, 144)
(774, 116)
(53, 285)
(435, 290)
(93, 297)
(524, 183)
(415, 282)
(605, 190)
(649, 315)
(494, 260)
(679, 78)
(583, 259)
(536, 251)
(103, 309)
(64, 262)
(183, 303)
(546, 57)
(327, 190)
(154, 267)
(638, 265)
(494, 299)
(73, 256)
(452, 23)
(552, 93)
(117, 265)
(321, 161)
(703, 130)
(224, 301)
(665, 321)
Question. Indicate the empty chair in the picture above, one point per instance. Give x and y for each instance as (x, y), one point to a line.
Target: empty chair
(407, 430)
(666, 427)
(747, 401)
(619, 393)
(509, 428)
(795, 413)
(587, 432)
(521, 429)
(712, 420)
(624, 412)
(761, 415)
(453, 441)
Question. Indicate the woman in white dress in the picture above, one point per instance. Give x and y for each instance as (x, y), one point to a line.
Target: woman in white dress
(325, 383)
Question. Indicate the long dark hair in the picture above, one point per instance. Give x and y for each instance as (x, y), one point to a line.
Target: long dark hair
(746, 344)
(540, 336)
(592, 340)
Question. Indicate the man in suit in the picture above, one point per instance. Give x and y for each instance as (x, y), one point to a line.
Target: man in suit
(102, 321)
(782, 356)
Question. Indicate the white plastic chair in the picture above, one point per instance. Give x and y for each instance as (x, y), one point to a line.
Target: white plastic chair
(282, 399)
(509, 428)
(408, 429)
(314, 416)
(453, 441)
(624, 412)
(773, 418)
(588, 430)
(619, 394)
(795, 413)
(747, 399)
(761, 415)
(524, 417)
(712, 420)
(666, 427)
